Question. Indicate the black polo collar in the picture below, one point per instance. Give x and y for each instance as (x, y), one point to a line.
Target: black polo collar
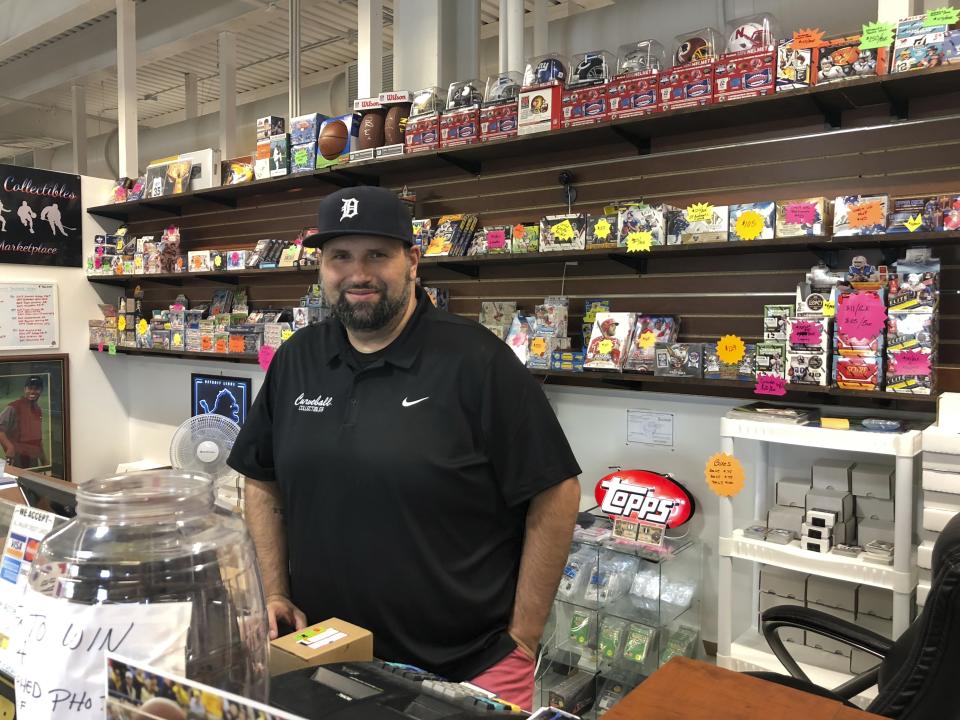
(402, 352)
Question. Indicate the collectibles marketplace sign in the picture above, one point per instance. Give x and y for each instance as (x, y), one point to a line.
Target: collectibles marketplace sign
(644, 497)
(40, 217)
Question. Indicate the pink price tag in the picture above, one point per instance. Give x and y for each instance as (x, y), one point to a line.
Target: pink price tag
(805, 333)
(265, 356)
(801, 213)
(770, 385)
(100, 347)
(496, 240)
(911, 362)
(861, 315)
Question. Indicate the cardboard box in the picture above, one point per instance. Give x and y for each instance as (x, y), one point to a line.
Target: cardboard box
(334, 640)
(634, 95)
(745, 75)
(832, 474)
(874, 601)
(870, 530)
(796, 69)
(584, 105)
(836, 501)
(784, 583)
(787, 634)
(941, 500)
(872, 481)
(498, 121)
(687, 86)
(881, 626)
(808, 368)
(938, 480)
(868, 508)
(540, 109)
(826, 644)
(460, 127)
(832, 593)
(785, 518)
(942, 464)
(792, 492)
(925, 555)
(422, 133)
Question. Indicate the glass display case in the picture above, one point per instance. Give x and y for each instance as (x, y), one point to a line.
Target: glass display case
(621, 611)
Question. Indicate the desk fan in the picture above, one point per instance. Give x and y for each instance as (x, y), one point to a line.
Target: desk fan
(202, 444)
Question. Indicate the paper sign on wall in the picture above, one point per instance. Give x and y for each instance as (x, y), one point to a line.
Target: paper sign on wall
(724, 475)
(649, 428)
(29, 316)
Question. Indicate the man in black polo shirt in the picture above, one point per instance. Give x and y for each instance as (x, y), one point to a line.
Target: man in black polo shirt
(404, 471)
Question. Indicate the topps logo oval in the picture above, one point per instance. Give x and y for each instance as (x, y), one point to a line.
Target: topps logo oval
(641, 495)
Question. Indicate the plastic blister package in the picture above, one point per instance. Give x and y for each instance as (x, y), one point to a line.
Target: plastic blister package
(611, 580)
(576, 573)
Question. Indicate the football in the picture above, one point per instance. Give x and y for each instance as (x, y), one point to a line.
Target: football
(371, 130)
(394, 124)
(333, 139)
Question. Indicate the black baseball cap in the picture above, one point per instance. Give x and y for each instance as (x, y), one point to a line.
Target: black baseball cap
(34, 381)
(362, 210)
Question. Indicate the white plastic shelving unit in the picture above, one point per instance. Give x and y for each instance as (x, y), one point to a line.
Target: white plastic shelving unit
(901, 578)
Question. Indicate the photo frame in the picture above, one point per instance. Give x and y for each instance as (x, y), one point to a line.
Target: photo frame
(34, 413)
(221, 395)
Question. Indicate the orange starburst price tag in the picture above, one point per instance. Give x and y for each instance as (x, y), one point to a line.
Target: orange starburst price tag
(730, 349)
(724, 475)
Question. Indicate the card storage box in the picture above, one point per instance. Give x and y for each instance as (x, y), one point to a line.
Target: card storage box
(832, 593)
(836, 534)
(872, 481)
(787, 634)
(785, 518)
(832, 474)
(881, 626)
(942, 463)
(834, 501)
(792, 492)
(939, 481)
(925, 555)
(941, 500)
(823, 643)
(874, 601)
(819, 545)
(870, 530)
(868, 508)
(783, 583)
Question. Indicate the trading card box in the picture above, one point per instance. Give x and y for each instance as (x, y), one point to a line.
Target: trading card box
(236, 171)
(563, 232)
(422, 133)
(915, 286)
(539, 352)
(808, 334)
(949, 213)
(911, 331)
(422, 232)
(495, 312)
(498, 121)
(584, 105)
(269, 126)
(567, 360)
(649, 330)
(279, 155)
(914, 214)
(858, 373)
(766, 210)
(863, 275)
(850, 218)
(679, 360)
(608, 341)
(771, 359)
(460, 127)
(634, 95)
(796, 69)
(303, 157)
(261, 161)
(747, 367)
(687, 85)
(199, 261)
(745, 75)
(841, 58)
(916, 47)
(808, 368)
(305, 128)
(715, 369)
(525, 239)
(951, 47)
(775, 322)
(497, 239)
(806, 216)
(551, 317)
(602, 231)
(904, 377)
(641, 217)
(539, 109)
(682, 231)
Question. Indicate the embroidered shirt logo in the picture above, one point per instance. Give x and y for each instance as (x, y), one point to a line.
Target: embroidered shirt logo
(409, 403)
(350, 208)
(317, 404)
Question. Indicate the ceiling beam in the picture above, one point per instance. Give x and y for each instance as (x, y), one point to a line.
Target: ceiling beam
(557, 12)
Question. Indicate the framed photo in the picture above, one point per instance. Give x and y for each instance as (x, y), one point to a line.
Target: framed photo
(227, 396)
(34, 413)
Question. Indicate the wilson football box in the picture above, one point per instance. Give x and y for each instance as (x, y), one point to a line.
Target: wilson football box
(397, 105)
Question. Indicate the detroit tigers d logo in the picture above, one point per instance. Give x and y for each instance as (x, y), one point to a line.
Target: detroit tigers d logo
(350, 208)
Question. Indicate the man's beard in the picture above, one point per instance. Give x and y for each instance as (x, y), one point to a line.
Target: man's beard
(365, 316)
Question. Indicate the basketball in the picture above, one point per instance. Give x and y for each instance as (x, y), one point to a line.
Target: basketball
(371, 130)
(333, 139)
(394, 124)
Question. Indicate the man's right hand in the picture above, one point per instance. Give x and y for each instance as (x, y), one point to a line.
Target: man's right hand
(279, 608)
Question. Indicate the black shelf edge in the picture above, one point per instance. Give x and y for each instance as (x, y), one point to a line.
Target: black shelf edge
(182, 355)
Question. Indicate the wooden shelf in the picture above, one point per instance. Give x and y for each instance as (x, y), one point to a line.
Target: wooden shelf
(183, 355)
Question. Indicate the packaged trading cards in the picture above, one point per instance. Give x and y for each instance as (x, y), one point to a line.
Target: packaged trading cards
(808, 334)
(518, 337)
(679, 360)
(602, 231)
(858, 373)
(914, 286)
(525, 239)
(497, 312)
(638, 642)
(795, 68)
(841, 59)
(914, 214)
(771, 359)
(641, 217)
(805, 368)
(648, 331)
(551, 317)
(496, 239)
(422, 232)
(910, 331)
(805, 216)
(759, 222)
(608, 341)
(910, 372)
(916, 47)
(860, 215)
(950, 211)
(563, 232)
(682, 230)
(775, 322)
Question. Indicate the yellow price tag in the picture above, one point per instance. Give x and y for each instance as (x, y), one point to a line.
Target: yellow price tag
(647, 340)
(605, 347)
(218, 260)
(913, 223)
(602, 229)
(699, 212)
(639, 241)
(177, 339)
(122, 323)
(749, 225)
(119, 246)
(142, 327)
(563, 231)
(538, 345)
(730, 349)
(724, 475)
(829, 308)
(285, 334)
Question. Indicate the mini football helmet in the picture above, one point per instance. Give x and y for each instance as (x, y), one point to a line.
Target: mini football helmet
(503, 88)
(425, 101)
(591, 68)
(748, 36)
(691, 50)
(640, 61)
(463, 94)
(547, 70)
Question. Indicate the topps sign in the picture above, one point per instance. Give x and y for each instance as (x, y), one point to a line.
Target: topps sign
(644, 497)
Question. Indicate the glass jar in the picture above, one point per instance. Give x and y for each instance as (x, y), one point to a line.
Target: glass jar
(156, 537)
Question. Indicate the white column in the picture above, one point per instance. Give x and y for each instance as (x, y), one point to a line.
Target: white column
(369, 48)
(541, 24)
(79, 96)
(503, 37)
(467, 50)
(293, 66)
(893, 10)
(127, 88)
(43, 159)
(191, 104)
(416, 43)
(515, 54)
(227, 49)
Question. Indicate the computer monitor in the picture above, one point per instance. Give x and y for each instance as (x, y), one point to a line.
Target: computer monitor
(46, 493)
(221, 395)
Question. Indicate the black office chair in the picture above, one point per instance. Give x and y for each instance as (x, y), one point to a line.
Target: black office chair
(919, 674)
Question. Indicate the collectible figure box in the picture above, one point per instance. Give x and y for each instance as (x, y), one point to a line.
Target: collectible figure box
(858, 373)
(808, 334)
(745, 74)
(269, 126)
(752, 221)
(422, 133)
(687, 86)
(602, 231)
(303, 157)
(305, 128)
(916, 47)
(771, 359)
(914, 214)
(330, 641)
(693, 225)
(640, 217)
(540, 109)
(563, 232)
(910, 331)
(775, 322)
(808, 368)
(859, 215)
(336, 140)
(634, 95)
(498, 121)
(649, 331)
(841, 58)
(608, 341)
(261, 163)
(796, 218)
(459, 127)
(796, 69)
(585, 105)
(679, 360)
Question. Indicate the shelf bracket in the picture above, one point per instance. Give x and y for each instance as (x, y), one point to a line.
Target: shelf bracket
(168, 209)
(831, 116)
(468, 167)
(828, 256)
(641, 143)
(899, 106)
(472, 271)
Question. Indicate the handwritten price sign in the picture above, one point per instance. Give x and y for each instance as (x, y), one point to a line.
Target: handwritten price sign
(724, 475)
(865, 214)
(749, 225)
(563, 231)
(861, 315)
(699, 212)
(807, 38)
(602, 229)
(647, 340)
(730, 349)
(911, 362)
(805, 332)
(942, 16)
(496, 239)
(770, 385)
(877, 35)
(803, 213)
(639, 241)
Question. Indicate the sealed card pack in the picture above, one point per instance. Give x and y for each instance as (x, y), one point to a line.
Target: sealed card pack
(648, 332)
(679, 360)
(563, 232)
(641, 217)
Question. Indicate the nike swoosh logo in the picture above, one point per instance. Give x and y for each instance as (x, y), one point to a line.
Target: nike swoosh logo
(410, 403)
